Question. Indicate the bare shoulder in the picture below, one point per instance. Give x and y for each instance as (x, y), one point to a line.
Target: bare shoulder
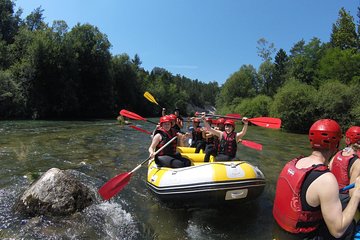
(356, 166)
(157, 137)
(326, 185)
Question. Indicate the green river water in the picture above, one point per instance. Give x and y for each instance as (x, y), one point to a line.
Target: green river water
(101, 149)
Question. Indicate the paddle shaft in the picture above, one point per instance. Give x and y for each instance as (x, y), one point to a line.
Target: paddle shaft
(159, 150)
(219, 116)
(140, 129)
(267, 122)
(134, 116)
(348, 187)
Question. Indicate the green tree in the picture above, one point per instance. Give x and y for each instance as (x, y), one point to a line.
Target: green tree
(280, 70)
(341, 65)
(334, 100)
(255, 107)
(265, 78)
(344, 34)
(35, 20)
(92, 56)
(265, 50)
(294, 105)
(239, 85)
(12, 101)
(304, 60)
(9, 21)
(124, 77)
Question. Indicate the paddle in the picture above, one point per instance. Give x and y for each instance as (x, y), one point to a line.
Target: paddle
(250, 144)
(348, 187)
(132, 115)
(140, 129)
(267, 122)
(151, 98)
(117, 183)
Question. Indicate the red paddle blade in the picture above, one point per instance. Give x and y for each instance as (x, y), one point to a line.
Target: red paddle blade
(131, 115)
(114, 185)
(140, 129)
(250, 144)
(234, 115)
(267, 122)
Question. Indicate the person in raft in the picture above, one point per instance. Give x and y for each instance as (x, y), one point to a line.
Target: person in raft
(227, 139)
(168, 157)
(211, 140)
(307, 203)
(345, 165)
(179, 119)
(197, 136)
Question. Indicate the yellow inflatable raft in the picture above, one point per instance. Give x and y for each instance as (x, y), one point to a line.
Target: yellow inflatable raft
(205, 183)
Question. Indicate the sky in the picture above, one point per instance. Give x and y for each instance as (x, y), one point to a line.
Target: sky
(207, 40)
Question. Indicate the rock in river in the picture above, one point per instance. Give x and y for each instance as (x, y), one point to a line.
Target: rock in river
(55, 193)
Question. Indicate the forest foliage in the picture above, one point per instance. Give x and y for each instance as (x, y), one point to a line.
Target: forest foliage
(53, 72)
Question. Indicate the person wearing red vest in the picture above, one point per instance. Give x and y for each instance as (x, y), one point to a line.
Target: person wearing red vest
(168, 157)
(345, 165)
(211, 141)
(227, 139)
(307, 203)
(197, 136)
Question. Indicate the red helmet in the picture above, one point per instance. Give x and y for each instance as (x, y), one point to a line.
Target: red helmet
(172, 117)
(325, 134)
(165, 119)
(220, 121)
(230, 122)
(352, 135)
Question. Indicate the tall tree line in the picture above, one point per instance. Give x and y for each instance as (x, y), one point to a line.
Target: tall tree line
(55, 72)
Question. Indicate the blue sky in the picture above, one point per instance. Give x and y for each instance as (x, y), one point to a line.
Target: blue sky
(206, 40)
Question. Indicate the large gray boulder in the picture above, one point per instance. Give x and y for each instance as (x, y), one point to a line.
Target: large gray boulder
(55, 193)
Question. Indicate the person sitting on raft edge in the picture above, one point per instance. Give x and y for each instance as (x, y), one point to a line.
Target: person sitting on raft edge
(168, 157)
(227, 139)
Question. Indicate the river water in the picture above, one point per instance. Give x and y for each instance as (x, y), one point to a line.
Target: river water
(99, 150)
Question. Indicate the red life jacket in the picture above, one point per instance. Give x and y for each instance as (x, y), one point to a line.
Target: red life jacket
(197, 134)
(165, 137)
(228, 145)
(288, 207)
(340, 167)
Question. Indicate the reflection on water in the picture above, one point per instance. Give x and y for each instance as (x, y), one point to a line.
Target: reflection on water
(99, 150)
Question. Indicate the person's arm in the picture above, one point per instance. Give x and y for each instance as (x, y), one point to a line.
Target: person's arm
(242, 133)
(211, 130)
(179, 122)
(337, 221)
(155, 141)
(181, 139)
(354, 173)
(204, 133)
(163, 113)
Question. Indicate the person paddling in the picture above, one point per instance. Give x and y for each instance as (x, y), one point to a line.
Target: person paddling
(345, 165)
(307, 204)
(227, 139)
(168, 157)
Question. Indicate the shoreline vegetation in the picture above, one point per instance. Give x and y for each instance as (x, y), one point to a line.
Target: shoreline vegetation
(48, 71)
